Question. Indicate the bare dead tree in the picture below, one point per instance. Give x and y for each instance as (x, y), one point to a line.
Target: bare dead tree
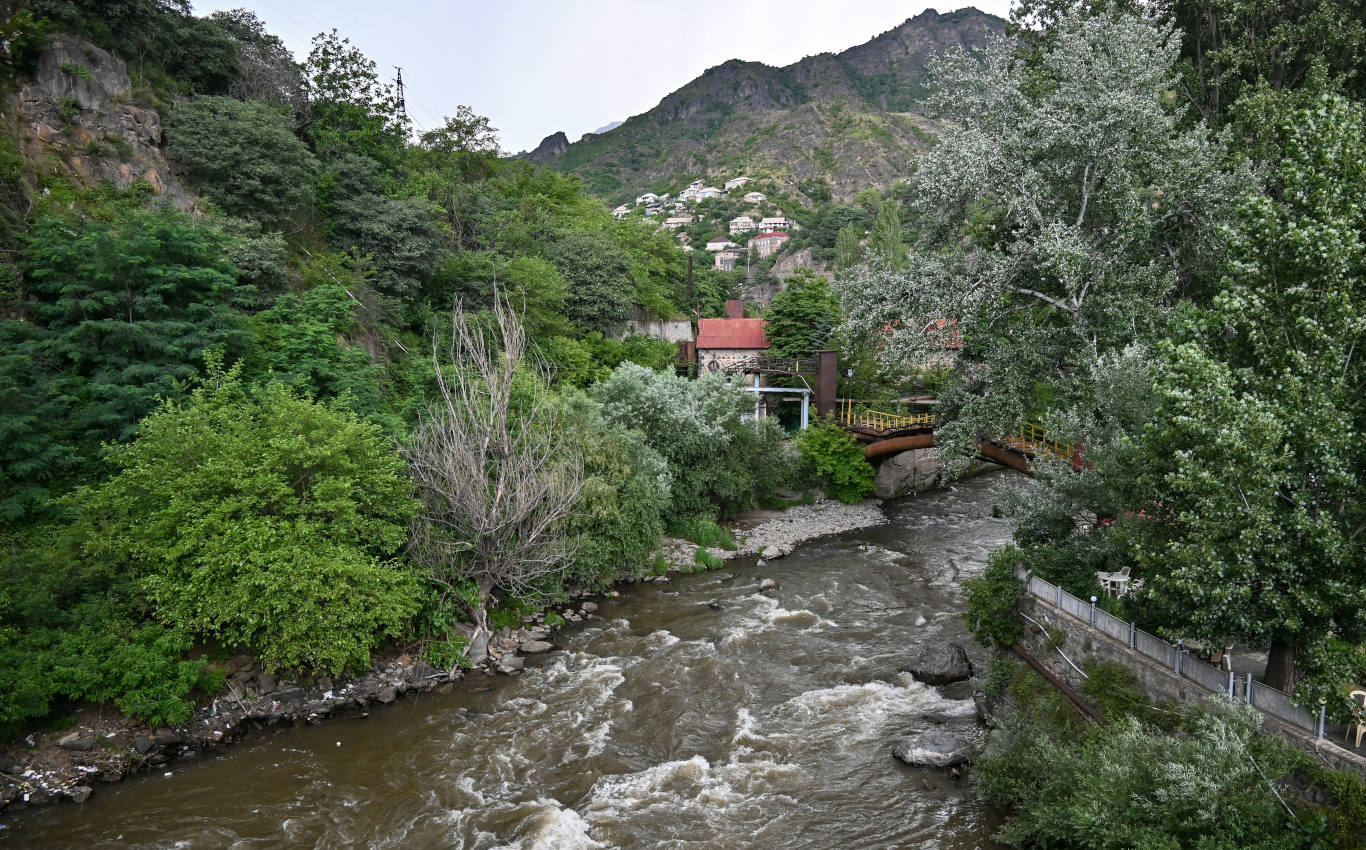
(495, 485)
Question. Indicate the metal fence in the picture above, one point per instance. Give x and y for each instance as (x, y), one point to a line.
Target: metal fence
(1174, 657)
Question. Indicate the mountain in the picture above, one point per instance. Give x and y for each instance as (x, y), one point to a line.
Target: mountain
(832, 123)
(549, 148)
(609, 126)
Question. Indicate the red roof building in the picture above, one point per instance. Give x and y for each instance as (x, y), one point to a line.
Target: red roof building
(723, 344)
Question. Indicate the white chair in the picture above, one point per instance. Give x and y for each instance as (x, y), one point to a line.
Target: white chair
(1358, 723)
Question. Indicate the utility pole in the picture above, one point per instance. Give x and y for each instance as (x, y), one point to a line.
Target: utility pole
(692, 298)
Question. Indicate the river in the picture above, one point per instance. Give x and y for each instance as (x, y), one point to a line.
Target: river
(697, 713)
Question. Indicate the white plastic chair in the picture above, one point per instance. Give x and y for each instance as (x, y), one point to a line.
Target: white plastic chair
(1358, 723)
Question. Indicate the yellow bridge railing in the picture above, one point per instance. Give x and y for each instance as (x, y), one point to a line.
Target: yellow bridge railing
(1032, 439)
(879, 420)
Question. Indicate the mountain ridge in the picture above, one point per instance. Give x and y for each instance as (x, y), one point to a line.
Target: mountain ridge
(829, 124)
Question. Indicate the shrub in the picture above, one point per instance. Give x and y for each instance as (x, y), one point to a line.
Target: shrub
(838, 459)
(990, 613)
(704, 531)
(261, 518)
(707, 560)
(719, 461)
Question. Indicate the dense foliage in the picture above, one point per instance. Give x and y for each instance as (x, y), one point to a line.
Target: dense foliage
(837, 458)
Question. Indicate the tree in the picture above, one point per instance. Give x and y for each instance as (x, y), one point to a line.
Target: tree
(244, 156)
(254, 516)
(720, 461)
(848, 251)
(838, 459)
(803, 317)
(352, 112)
(886, 243)
(266, 68)
(123, 313)
(618, 520)
(1054, 220)
(598, 275)
(1256, 450)
(495, 482)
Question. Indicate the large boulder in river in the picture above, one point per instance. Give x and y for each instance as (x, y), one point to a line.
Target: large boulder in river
(933, 748)
(909, 472)
(942, 665)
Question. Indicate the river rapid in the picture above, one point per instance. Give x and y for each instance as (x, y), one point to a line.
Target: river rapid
(697, 713)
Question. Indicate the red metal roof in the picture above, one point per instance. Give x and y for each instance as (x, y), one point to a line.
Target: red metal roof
(773, 233)
(731, 333)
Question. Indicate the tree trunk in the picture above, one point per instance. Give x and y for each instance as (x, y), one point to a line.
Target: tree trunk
(1280, 666)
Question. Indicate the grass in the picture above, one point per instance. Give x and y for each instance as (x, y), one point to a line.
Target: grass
(705, 531)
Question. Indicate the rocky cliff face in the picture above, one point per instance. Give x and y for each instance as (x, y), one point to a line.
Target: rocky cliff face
(549, 148)
(844, 121)
(77, 118)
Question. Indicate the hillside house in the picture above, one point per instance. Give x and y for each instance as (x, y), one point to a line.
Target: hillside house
(736, 183)
(720, 244)
(755, 197)
(678, 221)
(708, 193)
(777, 222)
(726, 260)
(621, 212)
(730, 343)
(741, 224)
(768, 244)
(688, 194)
(647, 198)
(697, 184)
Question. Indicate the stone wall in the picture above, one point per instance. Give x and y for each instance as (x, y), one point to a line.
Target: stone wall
(1082, 644)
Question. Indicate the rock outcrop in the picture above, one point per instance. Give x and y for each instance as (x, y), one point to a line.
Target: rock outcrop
(942, 665)
(933, 748)
(80, 115)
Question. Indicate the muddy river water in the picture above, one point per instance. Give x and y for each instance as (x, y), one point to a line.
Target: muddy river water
(697, 713)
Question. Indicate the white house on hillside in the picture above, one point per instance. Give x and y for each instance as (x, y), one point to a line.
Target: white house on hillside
(741, 224)
(708, 192)
(720, 244)
(755, 197)
(621, 212)
(647, 198)
(678, 221)
(775, 223)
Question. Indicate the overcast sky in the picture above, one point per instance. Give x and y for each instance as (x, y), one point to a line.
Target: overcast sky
(538, 66)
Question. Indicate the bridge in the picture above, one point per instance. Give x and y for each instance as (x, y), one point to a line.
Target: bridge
(891, 432)
(888, 433)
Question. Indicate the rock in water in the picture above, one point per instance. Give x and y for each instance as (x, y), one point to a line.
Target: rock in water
(932, 748)
(532, 647)
(771, 553)
(910, 472)
(942, 665)
(768, 584)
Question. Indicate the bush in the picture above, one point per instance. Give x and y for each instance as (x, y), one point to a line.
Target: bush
(257, 517)
(838, 459)
(704, 531)
(719, 461)
(992, 599)
(707, 560)
(1128, 785)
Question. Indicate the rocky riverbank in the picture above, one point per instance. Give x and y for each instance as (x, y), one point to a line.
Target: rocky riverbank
(103, 746)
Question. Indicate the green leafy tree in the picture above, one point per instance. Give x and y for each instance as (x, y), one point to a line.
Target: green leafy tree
(1255, 452)
(1053, 221)
(266, 68)
(1131, 786)
(618, 521)
(352, 111)
(244, 156)
(848, 251)
(598, 275)
(835, 456)
(887, 244)
(803, 317)
(719, 460)
(257, 517)
(123, 312)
